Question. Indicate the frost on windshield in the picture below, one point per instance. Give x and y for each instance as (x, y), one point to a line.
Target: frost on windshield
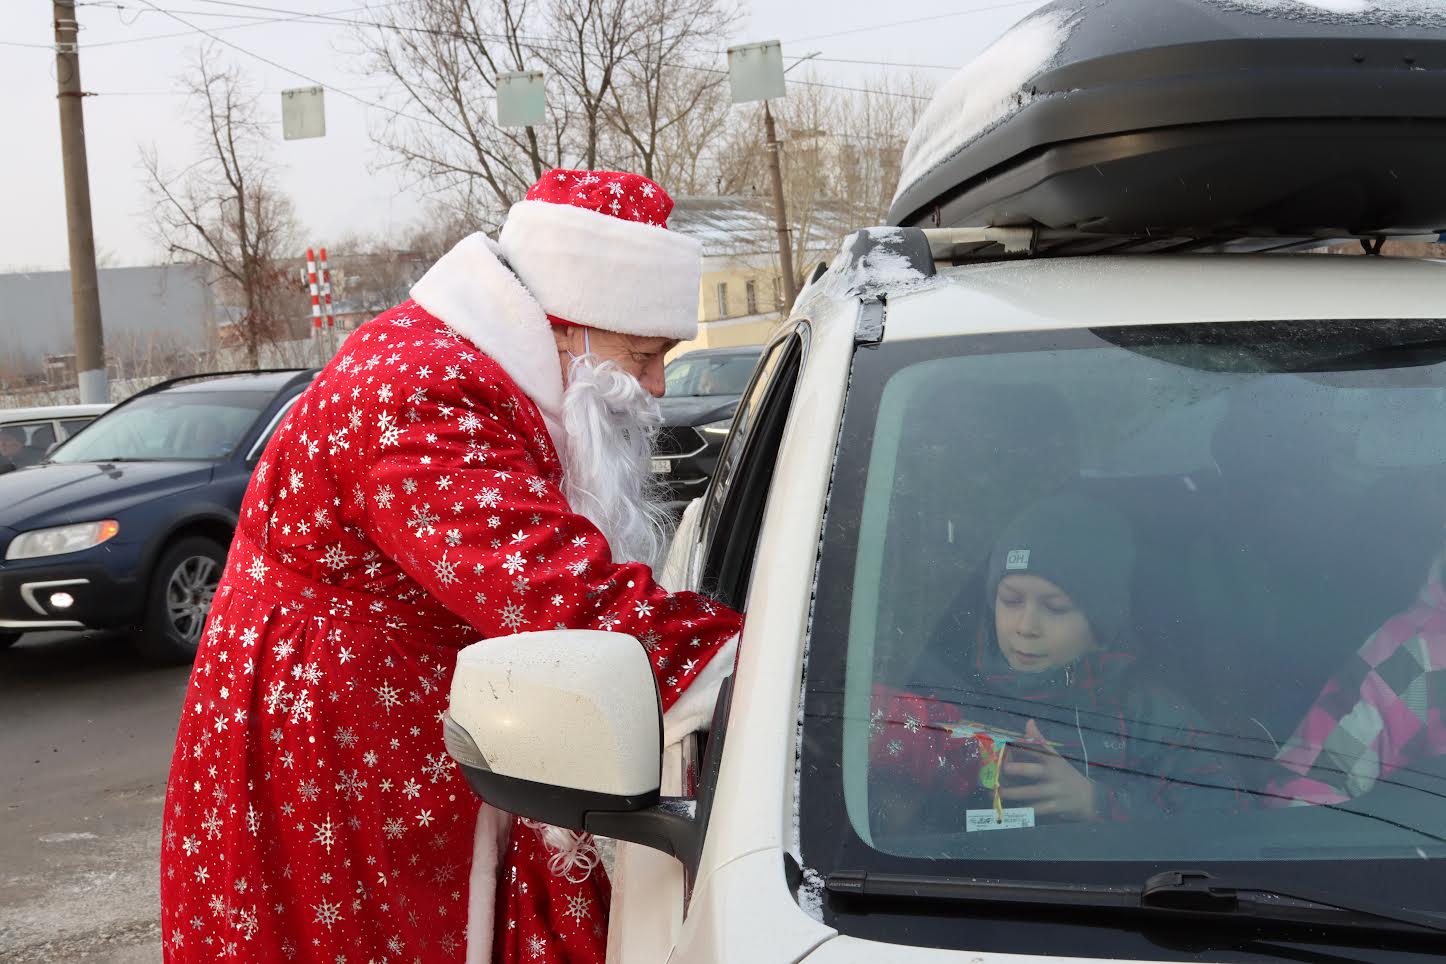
(1387, 13)
(810, 893)
(985, 92)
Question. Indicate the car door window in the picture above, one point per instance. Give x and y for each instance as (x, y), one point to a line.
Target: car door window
(734, 509)
(73, 425)
(25, 443)
(733, 516)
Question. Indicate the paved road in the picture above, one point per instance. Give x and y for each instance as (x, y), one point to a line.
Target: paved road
(86, 732)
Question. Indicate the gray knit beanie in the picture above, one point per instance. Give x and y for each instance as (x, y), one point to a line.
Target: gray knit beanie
(1082, 546)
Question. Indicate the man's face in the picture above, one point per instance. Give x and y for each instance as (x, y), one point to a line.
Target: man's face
(639, 356)
(9, 445)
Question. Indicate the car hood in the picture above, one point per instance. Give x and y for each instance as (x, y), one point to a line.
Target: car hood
(697, 409)
(55, 493)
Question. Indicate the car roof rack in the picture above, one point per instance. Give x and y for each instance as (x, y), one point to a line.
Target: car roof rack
(1169, 125)
(301, 376)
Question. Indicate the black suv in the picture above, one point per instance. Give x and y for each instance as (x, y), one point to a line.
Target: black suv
(127, 524)
(703, 391)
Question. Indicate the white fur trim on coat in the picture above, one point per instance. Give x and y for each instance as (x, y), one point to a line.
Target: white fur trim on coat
(475, 295)
(604, 272)
(693, 711)
(492, 834)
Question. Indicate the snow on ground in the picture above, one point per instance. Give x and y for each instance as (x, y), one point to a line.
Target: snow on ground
(986, 91)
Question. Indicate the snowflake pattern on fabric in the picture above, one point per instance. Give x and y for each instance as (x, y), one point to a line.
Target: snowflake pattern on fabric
(410, 504)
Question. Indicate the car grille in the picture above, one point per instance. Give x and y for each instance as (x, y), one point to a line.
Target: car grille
(676, 440)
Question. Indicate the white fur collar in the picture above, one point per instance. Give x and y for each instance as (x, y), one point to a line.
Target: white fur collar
(478, 297)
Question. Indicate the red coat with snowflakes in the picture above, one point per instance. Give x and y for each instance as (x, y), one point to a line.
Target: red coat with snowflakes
(409, 505)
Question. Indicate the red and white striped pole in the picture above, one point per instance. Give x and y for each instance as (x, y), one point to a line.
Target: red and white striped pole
(315, 303)
(326, 295)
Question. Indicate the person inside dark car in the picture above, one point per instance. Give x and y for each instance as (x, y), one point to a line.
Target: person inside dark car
(13, 451)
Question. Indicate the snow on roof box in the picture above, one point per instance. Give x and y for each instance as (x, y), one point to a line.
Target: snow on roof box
(1202, 118)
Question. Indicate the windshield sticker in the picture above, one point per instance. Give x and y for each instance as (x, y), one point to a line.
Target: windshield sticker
(1010, 819)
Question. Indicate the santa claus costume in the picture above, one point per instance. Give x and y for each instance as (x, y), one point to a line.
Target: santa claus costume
(414, 501)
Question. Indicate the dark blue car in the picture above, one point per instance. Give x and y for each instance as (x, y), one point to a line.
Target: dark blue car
(126, 525)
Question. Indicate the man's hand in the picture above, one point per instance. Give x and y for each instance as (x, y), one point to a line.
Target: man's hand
(1036, 775)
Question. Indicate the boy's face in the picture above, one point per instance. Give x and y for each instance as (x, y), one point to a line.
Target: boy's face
(1038, 625)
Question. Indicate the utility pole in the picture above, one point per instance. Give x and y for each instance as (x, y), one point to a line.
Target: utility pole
(84, 285)
(780, 215)
(755, 72)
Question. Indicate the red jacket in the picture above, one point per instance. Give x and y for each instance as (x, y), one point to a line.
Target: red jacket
(410, 504)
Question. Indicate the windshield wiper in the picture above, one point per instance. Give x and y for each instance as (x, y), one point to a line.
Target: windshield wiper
(1176, 893)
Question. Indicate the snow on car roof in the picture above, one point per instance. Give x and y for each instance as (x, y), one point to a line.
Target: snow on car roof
(986, 91)
(1390, 13)
(1105, 290)
(870, 262)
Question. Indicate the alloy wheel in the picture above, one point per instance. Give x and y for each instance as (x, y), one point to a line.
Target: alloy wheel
(188, 596)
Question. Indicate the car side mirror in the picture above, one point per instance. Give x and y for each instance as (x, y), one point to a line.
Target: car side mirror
(565, 727)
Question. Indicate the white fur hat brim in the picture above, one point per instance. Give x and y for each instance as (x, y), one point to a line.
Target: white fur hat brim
(604, 272)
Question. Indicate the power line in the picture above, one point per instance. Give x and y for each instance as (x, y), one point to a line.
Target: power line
(290, 70)
(258, 22)
(916, 20)
(882, 63)
(332, 19)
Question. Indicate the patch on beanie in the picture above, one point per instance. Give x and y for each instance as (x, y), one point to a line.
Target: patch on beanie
(1017, 559)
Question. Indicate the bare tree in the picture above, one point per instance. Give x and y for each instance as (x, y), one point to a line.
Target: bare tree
(443, 58)
(622, 76)
(225, 210)
(663, 87)
(841, 152)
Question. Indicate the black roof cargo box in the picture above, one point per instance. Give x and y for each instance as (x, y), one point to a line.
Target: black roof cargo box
(1208, 119)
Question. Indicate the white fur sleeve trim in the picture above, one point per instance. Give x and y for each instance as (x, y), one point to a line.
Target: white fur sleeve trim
(489, 842)
(694, 709)
(604, 272)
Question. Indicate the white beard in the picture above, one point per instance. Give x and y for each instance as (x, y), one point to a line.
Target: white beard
(610, 422)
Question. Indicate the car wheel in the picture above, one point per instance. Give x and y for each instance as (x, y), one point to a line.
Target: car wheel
(8, 639)
(178, 599)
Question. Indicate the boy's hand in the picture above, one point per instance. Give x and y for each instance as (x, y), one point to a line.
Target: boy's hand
(1037, 776)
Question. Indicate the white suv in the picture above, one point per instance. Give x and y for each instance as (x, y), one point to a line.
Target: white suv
(891, 430)
(1267, 433)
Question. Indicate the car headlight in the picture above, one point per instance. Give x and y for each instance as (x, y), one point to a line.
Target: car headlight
(61, 539)
(717, 430)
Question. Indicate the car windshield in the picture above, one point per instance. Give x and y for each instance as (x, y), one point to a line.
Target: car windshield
(187, 426)
(1136, 598)
(701, 374)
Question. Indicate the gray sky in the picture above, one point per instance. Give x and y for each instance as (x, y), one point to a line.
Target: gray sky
(334, 181)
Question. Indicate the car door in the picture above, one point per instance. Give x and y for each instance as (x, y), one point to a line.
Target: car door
(651, 890)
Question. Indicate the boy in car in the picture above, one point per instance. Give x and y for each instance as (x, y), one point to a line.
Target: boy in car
(1056, 721)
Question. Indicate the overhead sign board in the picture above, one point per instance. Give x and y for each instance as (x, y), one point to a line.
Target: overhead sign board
(755, 71)
(303, 113)
(521, 98)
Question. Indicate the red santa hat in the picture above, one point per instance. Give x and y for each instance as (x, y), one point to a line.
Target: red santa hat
(594, 249)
